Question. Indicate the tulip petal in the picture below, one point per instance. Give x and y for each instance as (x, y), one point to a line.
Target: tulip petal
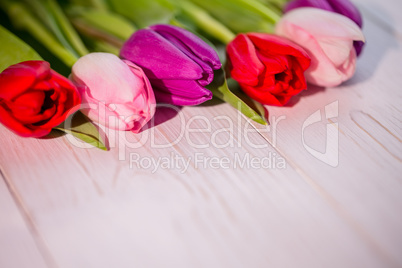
(66, 98)
(115, 116)
(160, 49)
(308, 3)
(70, 95)
(208, 72)
(100, 112)
(195, 44)
(103, 73)
(274, 45)
(331, 25)
(346, 8)
(343, 7)
(32, 102)
(147, 99)
(20, 129)
(138, 72)
(180, 92)
(266, 96)
(192, 46)
(28, 108)
(337, 50)
(243, 56)
(22, 76)
(115, 93)
(329, 43)
(157, 56)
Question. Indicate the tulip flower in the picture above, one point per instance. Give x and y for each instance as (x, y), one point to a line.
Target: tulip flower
(115, 93)
(34, 98)
(328, 39)
(178, 63)
(269, 68)
(343, 7)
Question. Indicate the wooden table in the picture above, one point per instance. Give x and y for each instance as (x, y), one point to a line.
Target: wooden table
(320, 187)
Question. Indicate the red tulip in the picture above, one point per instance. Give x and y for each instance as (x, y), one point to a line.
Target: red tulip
(269, 68)
(34, 98)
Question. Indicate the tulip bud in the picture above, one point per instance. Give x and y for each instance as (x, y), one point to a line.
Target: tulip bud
(34, 98)
(115, 93)
(178, 63)
(328, 39)
(343, 7)
(269, 68)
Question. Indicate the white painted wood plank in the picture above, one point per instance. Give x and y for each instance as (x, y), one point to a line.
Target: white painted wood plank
(366, 184)
(17, 245)
(385, 14)
(94, 210)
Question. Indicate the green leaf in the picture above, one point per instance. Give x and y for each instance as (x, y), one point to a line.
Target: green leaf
(97, 4)
(108, 22)
(220, 89)
(51, 15)
(13, 50)
(145, 12)
(241, 16)
(206, 22)
(102, 25)
(66, 28)
(81, 127)
(23, 19)
(103, 46)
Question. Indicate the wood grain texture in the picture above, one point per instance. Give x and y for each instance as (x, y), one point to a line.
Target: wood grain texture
(365, 186)
(91, 202)
(385, 14)
(18, 247)
(89, 208)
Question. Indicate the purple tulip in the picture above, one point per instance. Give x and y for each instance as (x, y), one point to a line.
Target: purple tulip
(178, 63)
(343, 7)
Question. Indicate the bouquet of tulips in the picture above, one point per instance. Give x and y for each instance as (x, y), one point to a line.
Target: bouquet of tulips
(114, 61)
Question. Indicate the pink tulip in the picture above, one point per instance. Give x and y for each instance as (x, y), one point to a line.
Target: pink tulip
(328, 39)
(343, 7)
(115, 93)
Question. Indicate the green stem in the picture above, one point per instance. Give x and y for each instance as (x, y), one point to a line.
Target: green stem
(278, 3)
(207, 23)
(67, 28)
(261, 9)
(23, 19)
(220, 89)
(177, 23)
(106, 22)
(96, 4)
(96, 34)
(106, 47)
(100, 5)
(41, 10)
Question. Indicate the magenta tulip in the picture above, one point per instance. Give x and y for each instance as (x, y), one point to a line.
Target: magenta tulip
(178, 63)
